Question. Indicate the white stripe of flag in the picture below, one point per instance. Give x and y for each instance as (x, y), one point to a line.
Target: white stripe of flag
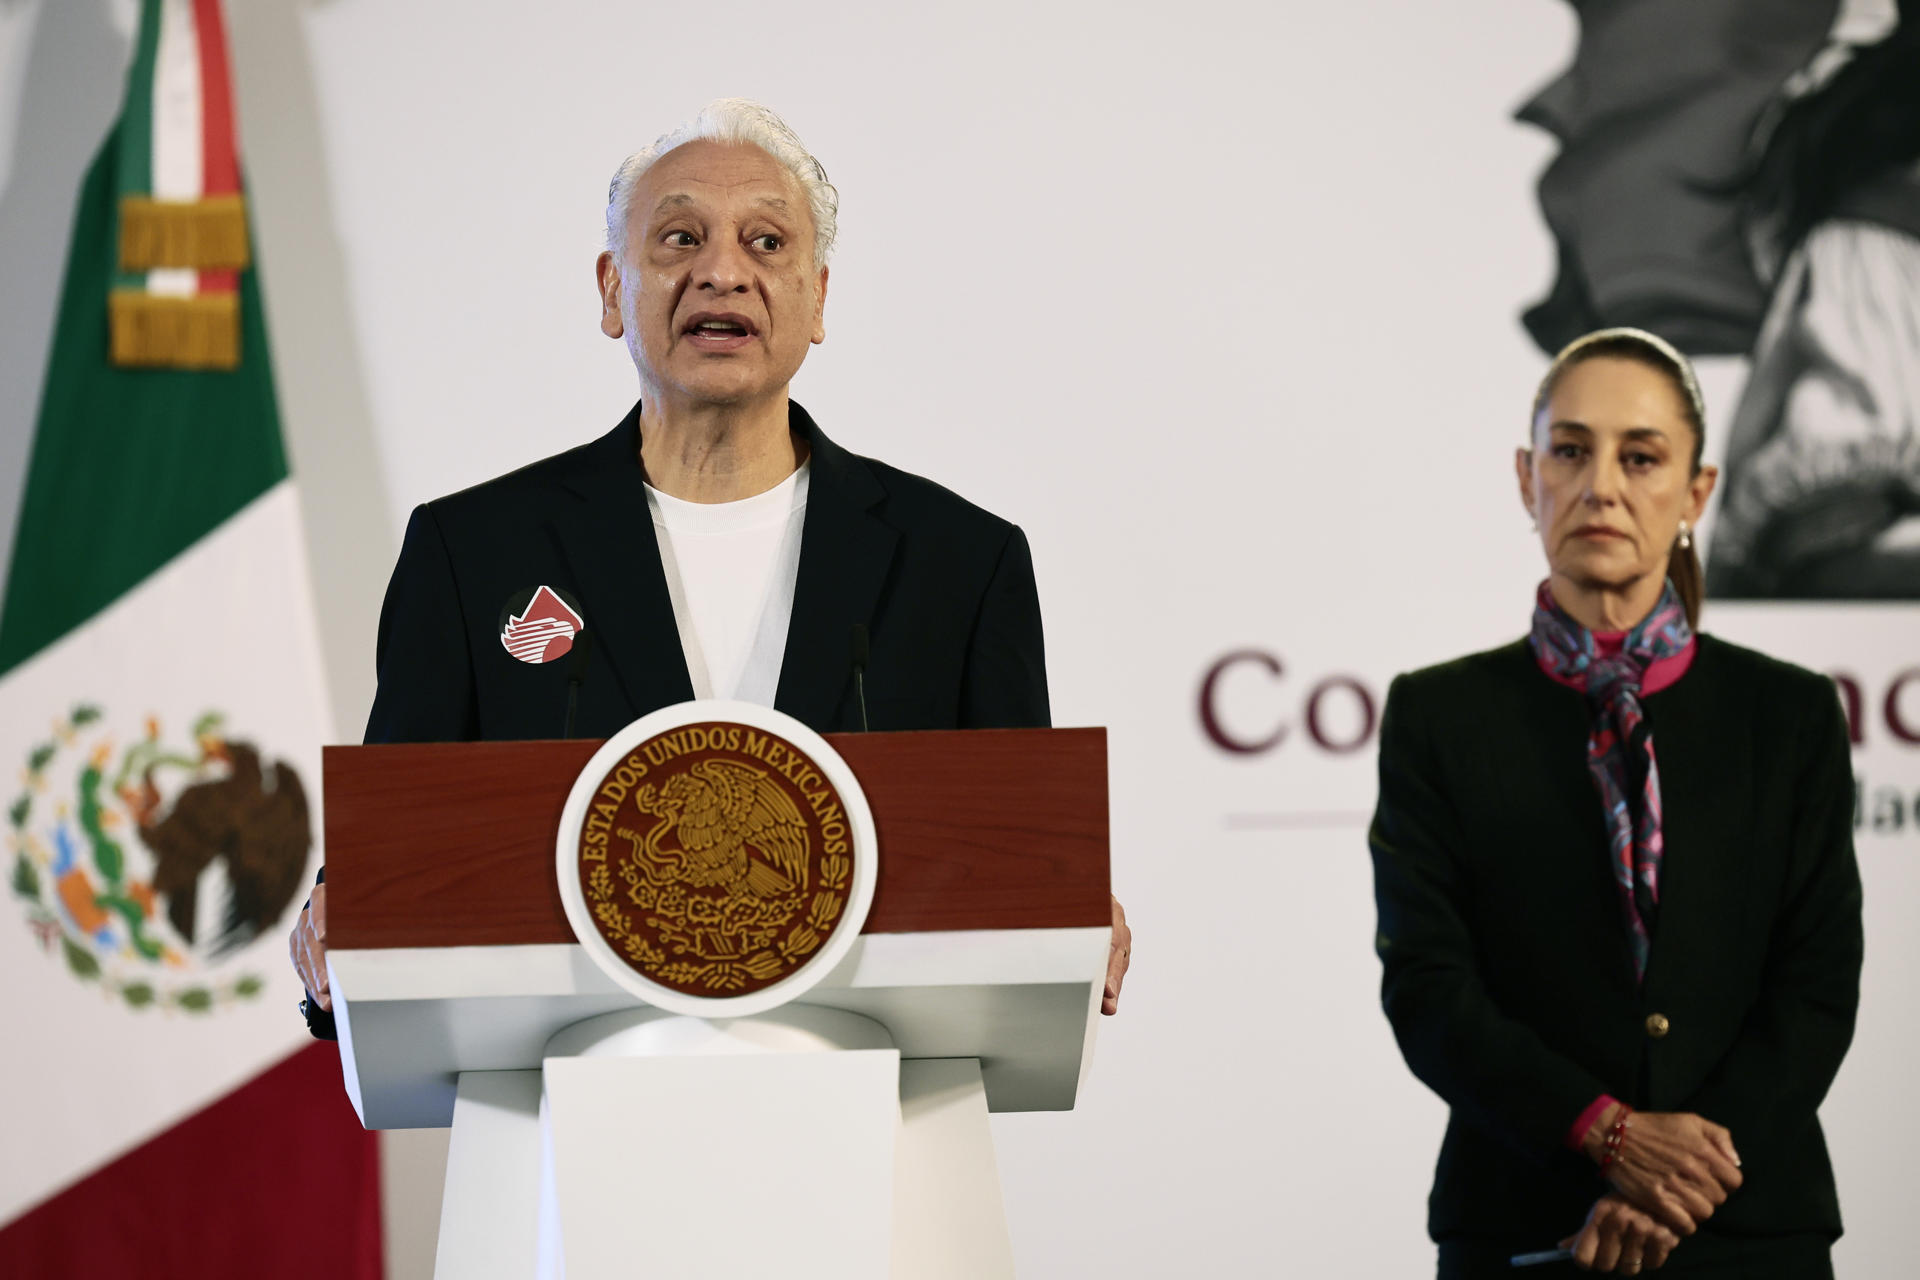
(179, 167)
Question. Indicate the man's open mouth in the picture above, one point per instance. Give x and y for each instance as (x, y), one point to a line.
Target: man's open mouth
(719, 330)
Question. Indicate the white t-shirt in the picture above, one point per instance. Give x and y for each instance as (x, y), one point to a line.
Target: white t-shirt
(730, 571)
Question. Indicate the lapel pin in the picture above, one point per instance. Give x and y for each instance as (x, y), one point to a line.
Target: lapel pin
(539, 623)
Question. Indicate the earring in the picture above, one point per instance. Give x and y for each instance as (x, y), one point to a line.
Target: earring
(1686, 536)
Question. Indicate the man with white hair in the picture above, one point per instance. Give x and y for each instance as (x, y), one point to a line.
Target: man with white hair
(715, 543)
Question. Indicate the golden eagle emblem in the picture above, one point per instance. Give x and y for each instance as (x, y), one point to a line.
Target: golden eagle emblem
(723, 814)
(146, 863)
(716, 859)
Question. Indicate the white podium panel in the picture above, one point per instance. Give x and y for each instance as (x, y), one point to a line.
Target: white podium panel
(719, 1167)
(793, 1144)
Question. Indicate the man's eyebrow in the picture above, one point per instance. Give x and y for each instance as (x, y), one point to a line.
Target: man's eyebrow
(680, 200)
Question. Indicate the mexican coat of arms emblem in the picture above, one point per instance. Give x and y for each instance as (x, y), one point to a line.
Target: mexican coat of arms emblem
(145, 862)
(715, 858)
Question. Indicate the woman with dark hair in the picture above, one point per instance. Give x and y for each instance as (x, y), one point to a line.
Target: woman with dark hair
(1619, 909)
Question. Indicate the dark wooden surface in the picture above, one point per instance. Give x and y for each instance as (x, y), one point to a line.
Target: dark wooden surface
(452, 844)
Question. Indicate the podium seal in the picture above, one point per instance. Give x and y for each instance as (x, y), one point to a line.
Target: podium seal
(716, 858)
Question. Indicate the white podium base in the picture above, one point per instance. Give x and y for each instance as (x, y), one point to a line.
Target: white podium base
(794, 1144)
(949, 1222)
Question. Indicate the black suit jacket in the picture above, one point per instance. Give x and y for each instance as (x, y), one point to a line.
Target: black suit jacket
(945, 590)
(1507, 975)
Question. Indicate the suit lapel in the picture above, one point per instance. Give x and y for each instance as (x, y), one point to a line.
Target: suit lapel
(1559, 715)
(1696, 741)
(845, 552)
(607, 540)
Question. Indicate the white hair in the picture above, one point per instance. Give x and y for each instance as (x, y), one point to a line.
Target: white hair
(732, 120)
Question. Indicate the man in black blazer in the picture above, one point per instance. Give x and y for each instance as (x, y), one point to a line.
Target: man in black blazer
(715, 278)
(944, 590)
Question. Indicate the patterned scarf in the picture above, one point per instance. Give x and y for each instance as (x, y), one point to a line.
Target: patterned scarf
(1620, 744)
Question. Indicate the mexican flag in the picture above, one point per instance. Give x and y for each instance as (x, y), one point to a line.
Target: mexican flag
(161, 716)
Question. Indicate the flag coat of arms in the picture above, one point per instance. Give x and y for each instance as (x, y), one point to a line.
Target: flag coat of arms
(162, 709)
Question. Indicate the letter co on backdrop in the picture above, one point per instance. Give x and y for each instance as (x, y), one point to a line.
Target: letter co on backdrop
(1247, 706)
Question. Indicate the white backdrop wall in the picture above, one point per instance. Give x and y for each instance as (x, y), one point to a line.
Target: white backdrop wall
(1217, 300)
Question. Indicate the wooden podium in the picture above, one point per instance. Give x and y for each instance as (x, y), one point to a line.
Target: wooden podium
(463, 999)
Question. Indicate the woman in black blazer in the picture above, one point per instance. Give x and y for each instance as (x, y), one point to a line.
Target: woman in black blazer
(1619, 909)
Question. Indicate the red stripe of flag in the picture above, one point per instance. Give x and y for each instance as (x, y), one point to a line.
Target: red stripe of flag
(275, 1179)
(219, 155)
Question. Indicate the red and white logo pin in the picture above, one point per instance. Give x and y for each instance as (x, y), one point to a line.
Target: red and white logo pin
(539, 626)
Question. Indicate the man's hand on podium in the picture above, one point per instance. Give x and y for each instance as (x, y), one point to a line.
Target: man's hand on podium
(1119, 953)
(309, 948)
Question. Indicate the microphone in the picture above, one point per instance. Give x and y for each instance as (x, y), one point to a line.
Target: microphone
(860, 670)
(576, 672)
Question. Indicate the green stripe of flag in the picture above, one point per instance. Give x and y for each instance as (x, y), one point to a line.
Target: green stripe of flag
(134, 166)
(136, 116)
(130, 466)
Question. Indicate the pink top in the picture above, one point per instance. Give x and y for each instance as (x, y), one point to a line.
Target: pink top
(1661, 673)
(1587, 1119)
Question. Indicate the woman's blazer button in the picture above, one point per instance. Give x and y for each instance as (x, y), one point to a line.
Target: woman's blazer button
(1657, 1025)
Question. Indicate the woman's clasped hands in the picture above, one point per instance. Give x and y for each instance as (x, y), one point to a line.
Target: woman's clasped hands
(1669, 1172)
